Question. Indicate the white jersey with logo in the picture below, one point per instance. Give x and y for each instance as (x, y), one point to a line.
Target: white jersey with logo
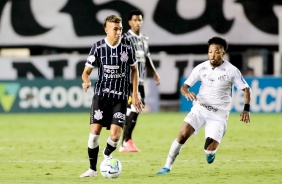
(216, 84)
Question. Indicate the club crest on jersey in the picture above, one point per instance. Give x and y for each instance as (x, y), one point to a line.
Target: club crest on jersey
(124, 56)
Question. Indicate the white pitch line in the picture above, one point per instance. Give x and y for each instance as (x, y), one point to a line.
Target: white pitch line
(130, 161)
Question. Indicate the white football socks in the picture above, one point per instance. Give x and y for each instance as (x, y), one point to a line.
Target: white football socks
(208, 152)
(173, 152)
(93, 141)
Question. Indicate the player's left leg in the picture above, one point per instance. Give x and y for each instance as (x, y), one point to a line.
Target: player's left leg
(112, 141)
(210, 149)
(118, 114)
(214, 131)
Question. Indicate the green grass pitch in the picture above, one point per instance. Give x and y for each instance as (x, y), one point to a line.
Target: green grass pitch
(52, 148)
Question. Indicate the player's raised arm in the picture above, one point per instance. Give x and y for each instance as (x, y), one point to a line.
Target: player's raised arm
(85, 78)
(245, 115)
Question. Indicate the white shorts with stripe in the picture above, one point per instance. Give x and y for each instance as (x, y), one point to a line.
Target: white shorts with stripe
(214, 120)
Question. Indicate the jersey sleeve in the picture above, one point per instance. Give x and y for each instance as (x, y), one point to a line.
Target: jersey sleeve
(90, 62)
(238, 80)
(193, 77)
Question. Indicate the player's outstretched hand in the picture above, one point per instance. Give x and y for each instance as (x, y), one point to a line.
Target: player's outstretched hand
(86, 85)
(245, 117)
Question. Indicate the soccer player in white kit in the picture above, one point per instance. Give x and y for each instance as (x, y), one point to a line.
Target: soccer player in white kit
(212, 104)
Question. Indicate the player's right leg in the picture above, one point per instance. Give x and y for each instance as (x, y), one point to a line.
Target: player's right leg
(93, 140)
(93, 150)
(186, 131)
(192, 124)
(214, 132)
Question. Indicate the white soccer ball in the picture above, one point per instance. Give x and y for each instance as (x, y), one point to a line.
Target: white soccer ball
(110, 168)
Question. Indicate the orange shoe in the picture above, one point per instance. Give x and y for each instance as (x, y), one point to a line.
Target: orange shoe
(128, 146)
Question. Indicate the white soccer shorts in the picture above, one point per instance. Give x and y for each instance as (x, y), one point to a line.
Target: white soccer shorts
(215, 122)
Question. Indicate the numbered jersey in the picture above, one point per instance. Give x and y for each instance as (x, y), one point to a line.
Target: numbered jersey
(140, 45)
(113, 68)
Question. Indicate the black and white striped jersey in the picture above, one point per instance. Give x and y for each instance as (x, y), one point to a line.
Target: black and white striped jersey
(113, 67)
(141, 47)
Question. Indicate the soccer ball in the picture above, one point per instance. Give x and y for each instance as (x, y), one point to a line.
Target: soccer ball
(110, 168)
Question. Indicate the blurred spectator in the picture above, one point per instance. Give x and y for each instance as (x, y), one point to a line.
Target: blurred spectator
(249, 72)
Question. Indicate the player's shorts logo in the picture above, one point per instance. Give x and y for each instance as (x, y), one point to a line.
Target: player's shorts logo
(119, 115)
(98, 114)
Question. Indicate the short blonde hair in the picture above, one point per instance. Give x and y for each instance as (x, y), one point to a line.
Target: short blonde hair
(112, 18)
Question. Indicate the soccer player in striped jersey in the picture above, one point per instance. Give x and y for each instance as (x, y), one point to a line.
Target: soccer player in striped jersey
(212, 104)
(115, 58)
(140, 45)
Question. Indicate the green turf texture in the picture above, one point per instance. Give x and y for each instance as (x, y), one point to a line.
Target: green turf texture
(52, 148)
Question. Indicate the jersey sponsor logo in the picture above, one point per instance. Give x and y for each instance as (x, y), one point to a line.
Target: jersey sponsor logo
(105, 90)
(98, 114)
(116, 92)
(209, 107)
(111, 66)
(124, 56)
(111, 72)
(8, 94)
(110, 69)
(114, 76)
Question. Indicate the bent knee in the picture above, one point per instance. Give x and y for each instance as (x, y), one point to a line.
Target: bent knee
(211, 144)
